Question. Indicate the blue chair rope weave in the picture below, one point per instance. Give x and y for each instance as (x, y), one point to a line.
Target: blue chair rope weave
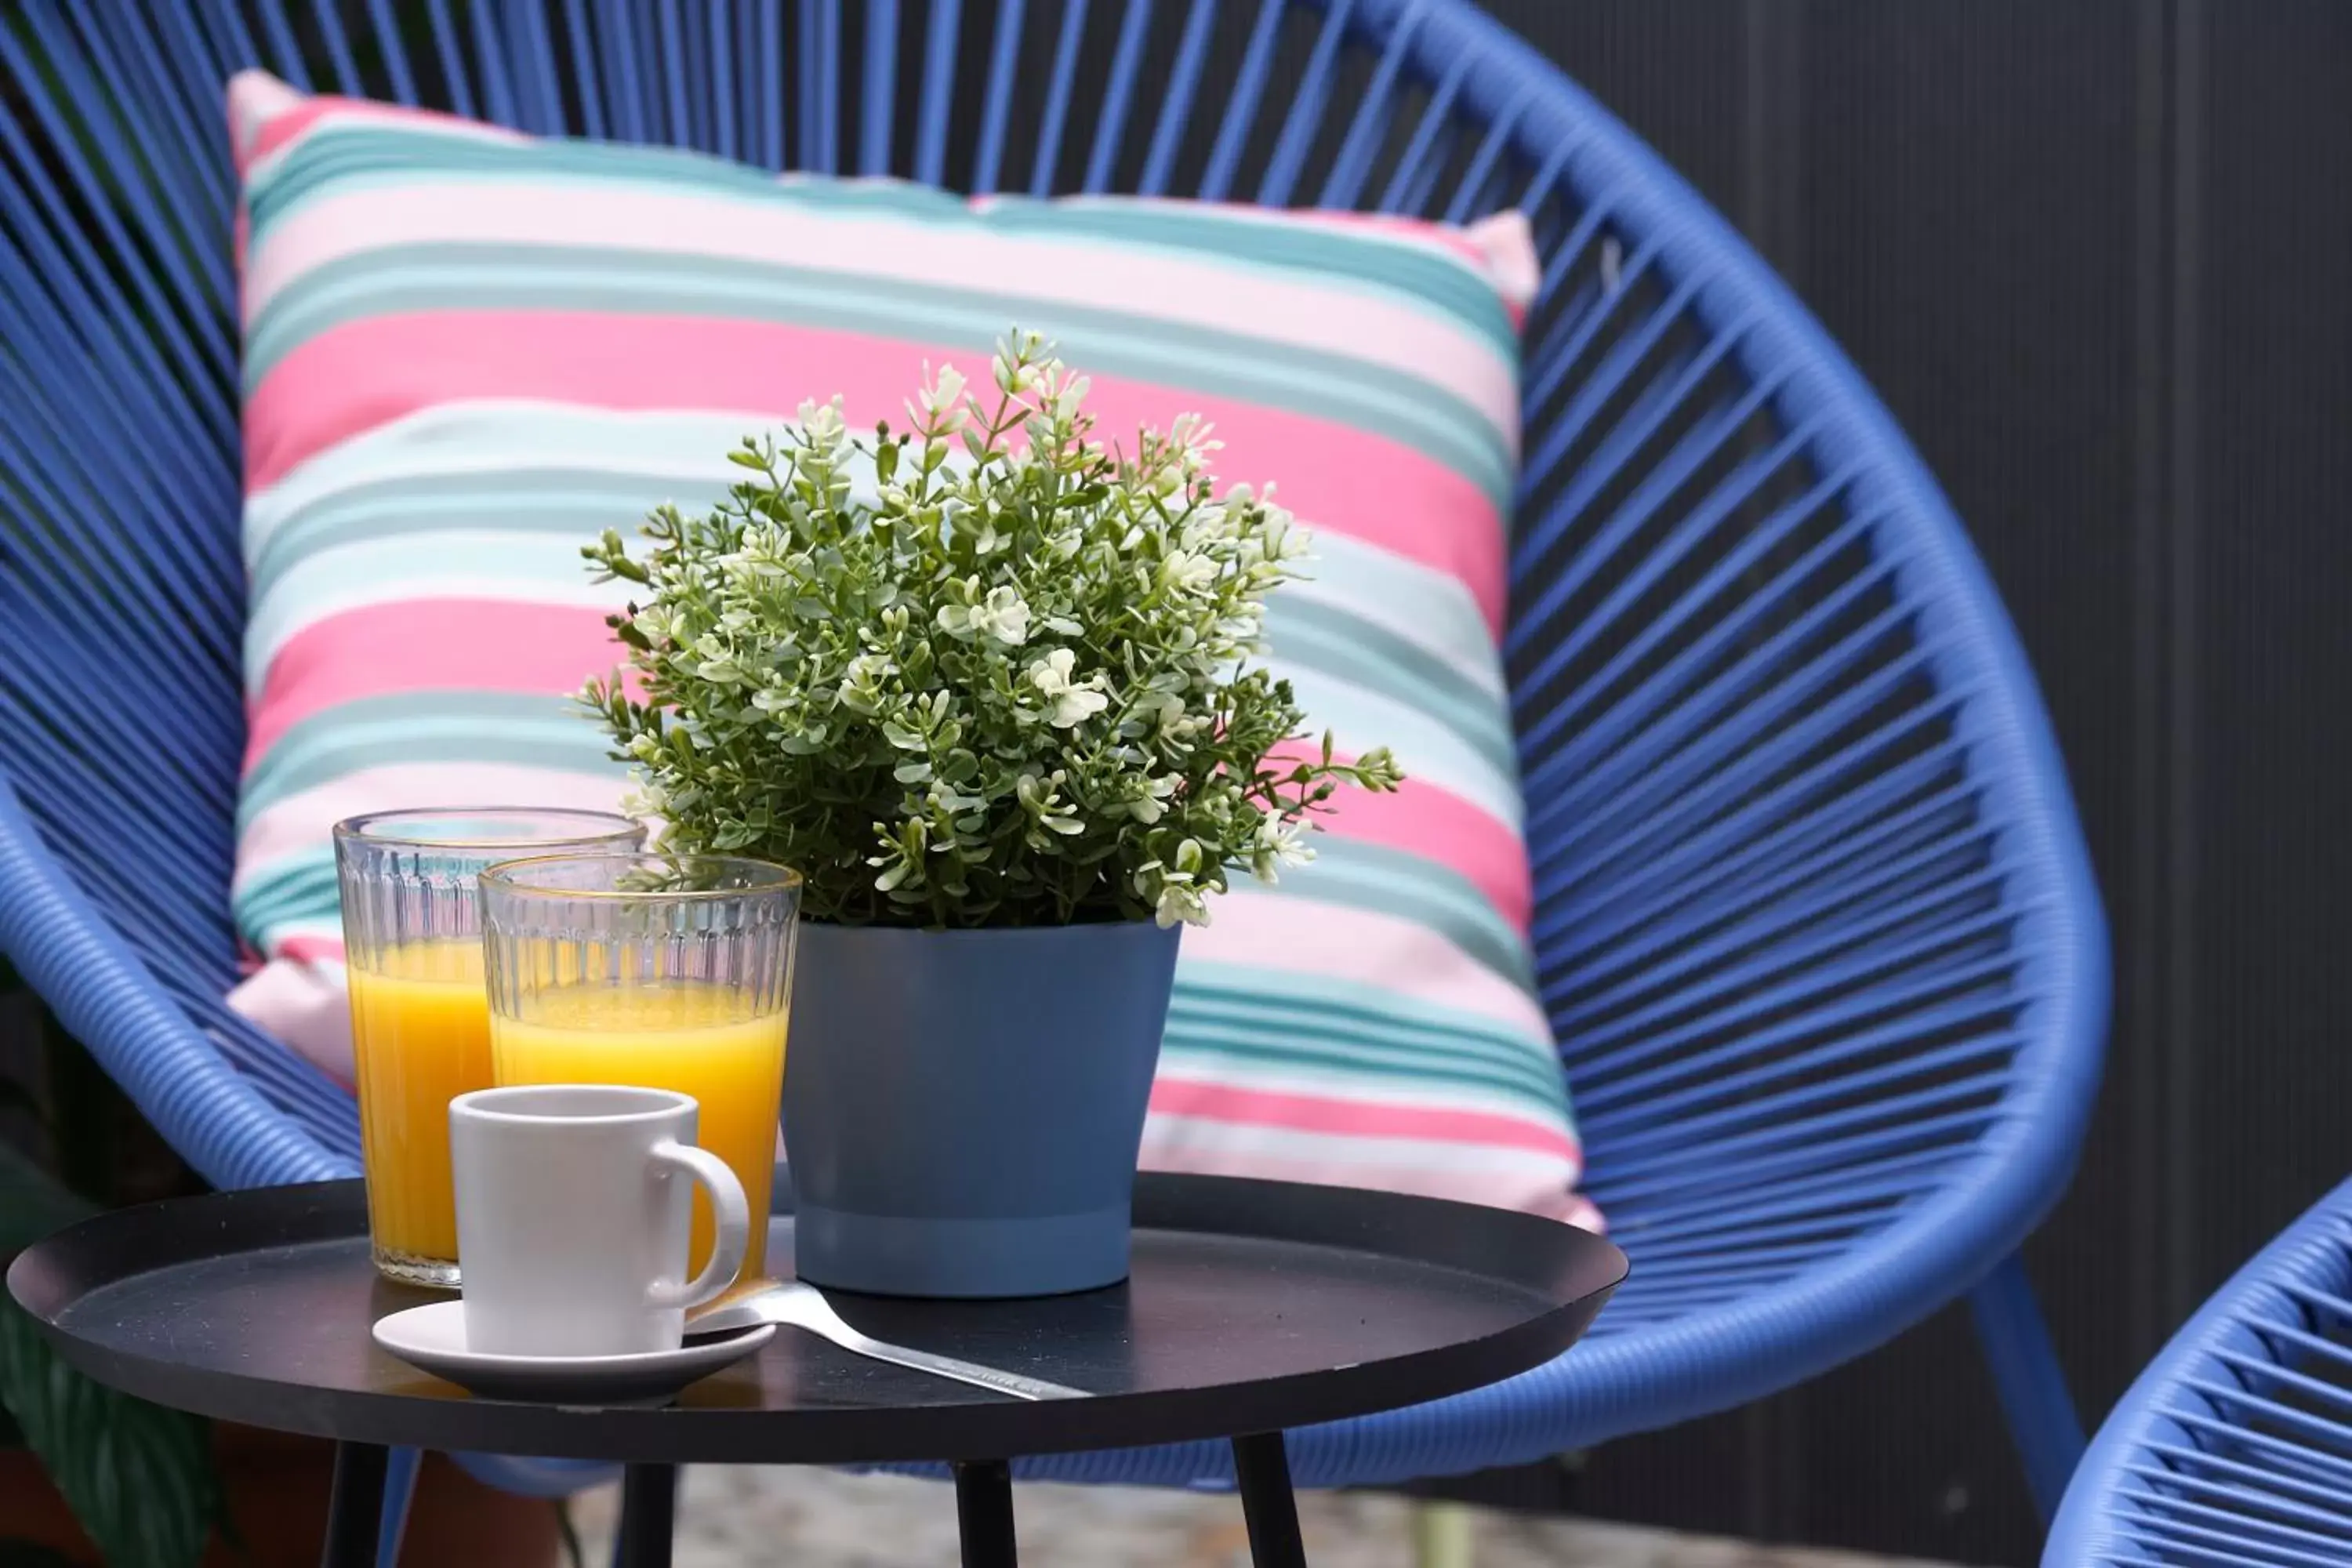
(1814, 923)
(2235, 1445)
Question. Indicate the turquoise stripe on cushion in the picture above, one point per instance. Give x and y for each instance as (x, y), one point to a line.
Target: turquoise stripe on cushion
(541, 569)
(576, 506)
(1211, 996)
(349, 157)
(1427, 747)
(1180, 357)
(424, 727)
(1327, 1060)
(1413, 273)
(1430, 608)
(1249, 1024)
(1315, 634)
(1392, 882)
(339, 158)
(299, 889)
(511, 445)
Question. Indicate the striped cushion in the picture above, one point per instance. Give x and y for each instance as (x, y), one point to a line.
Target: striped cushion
(467, 351)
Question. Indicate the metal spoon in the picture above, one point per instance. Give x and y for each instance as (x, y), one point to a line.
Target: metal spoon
(799, 1306)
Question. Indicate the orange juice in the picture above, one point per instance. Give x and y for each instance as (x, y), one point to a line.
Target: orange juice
(685, 1035)
(421, 1034)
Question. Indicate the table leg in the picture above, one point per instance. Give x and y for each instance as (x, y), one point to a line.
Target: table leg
(984, 1514)
(1263, 1470)
(355, 1506)
(649, 1513)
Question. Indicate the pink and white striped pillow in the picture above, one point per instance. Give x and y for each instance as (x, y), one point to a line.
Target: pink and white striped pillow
(465, 351)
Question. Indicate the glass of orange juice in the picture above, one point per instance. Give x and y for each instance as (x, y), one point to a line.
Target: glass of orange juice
(420, 1017)
(661, 971)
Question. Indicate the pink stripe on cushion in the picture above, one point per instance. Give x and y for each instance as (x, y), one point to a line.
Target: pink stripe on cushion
(1163, 284)
(311, 948)
(1250, 929)
(304, 820)
(1335, 478)
(1423, 820)
(1173, 1096)
(428, 645)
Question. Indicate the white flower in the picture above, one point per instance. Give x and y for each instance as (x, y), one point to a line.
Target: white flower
(644, 800)
(939, 409)
(1066, 396)
(1003, 615)
(1008, 618)
(1014, 377)
(1073, 702)
(1278, 844)
(1180, 901)
(1190, 434)
(1187, 571)
(1051, 674)
(824, 424)
(859, 680)
(716, 662)
(1148, 804)
(1164, 711)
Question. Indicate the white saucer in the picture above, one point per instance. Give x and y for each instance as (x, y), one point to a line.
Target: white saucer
(433, 1338)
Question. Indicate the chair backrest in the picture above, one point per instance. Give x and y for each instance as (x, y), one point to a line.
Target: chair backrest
(1813, 923)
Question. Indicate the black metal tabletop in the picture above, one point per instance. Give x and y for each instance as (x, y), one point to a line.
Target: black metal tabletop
(1254, 1306)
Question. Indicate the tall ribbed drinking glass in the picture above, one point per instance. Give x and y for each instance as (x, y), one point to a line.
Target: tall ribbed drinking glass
(661, 972)
(420, 1017)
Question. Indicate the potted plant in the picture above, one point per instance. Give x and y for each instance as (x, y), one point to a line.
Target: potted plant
(987, 683)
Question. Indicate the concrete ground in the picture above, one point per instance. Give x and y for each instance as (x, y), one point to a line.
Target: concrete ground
(786, 1518)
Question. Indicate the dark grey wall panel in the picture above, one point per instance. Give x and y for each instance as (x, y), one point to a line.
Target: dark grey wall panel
(2268, 633)
(2098, 258)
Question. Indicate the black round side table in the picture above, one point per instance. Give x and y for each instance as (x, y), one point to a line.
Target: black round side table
(1254, 1306)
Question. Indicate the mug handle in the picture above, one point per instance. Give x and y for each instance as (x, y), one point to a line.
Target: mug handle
(734, 1227)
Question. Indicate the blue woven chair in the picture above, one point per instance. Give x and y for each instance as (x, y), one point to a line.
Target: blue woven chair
(2235, 1445)
(1814, 922)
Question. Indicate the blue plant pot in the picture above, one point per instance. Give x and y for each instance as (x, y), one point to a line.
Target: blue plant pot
(962, 1108)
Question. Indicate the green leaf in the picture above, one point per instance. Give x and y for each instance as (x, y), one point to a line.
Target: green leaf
(139, 1477)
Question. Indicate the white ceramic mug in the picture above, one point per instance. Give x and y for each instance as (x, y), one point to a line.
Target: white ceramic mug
(573, 1214)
